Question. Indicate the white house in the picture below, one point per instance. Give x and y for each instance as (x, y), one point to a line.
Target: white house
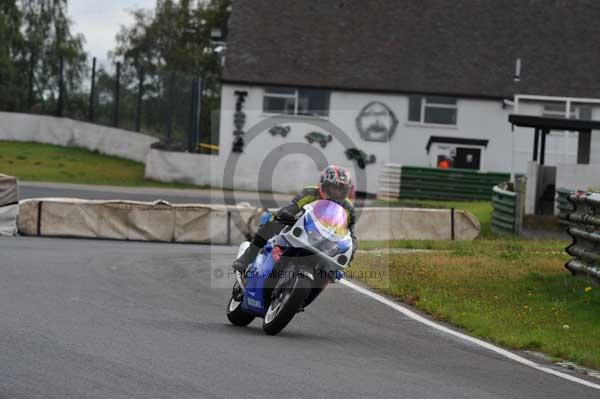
(404, 82)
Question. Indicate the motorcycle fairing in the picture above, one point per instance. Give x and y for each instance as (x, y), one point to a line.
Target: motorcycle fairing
(258, 273)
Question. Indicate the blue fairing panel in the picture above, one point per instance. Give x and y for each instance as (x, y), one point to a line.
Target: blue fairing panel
(258, 273)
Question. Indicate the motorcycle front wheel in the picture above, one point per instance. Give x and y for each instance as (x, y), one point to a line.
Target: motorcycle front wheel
(235, 313)
(285, 305)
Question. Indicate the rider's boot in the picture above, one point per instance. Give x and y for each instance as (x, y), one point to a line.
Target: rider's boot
(241, 263)
(265, 232)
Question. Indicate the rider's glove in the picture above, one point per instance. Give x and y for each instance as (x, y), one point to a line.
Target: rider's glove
(287, 213)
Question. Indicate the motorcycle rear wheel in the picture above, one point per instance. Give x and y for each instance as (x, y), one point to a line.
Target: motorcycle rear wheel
(283, 308)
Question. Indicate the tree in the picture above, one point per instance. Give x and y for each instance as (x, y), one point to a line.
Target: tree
(47, 39)
(11, 57)
(175, 36)
(171, 45)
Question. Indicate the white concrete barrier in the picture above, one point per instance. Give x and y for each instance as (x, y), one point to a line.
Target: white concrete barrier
(383, 224)
(71, 133)
(218, 224)
(130, 220)
(9, 205)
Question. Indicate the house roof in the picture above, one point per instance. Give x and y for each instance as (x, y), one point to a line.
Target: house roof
(461, 47)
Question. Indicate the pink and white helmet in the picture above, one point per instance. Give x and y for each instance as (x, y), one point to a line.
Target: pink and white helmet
(335, 183)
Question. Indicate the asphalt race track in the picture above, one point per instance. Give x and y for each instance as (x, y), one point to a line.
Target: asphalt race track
(105, 319)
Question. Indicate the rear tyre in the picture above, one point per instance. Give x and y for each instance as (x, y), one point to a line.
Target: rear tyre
(235, 313)
(284, 307)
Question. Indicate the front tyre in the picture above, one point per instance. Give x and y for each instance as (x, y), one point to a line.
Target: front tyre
(285, 305)
(235, 313)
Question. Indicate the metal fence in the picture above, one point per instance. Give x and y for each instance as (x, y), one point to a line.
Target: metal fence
(171, 105)
(507, 204)
(585, 231)
(438, 184)
(563, 206)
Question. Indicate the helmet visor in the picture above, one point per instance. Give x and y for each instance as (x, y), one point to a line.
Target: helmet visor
(336, 192)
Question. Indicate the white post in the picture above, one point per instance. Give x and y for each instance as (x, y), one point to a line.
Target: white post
(566, 136)
(512, 156)
(512, 141)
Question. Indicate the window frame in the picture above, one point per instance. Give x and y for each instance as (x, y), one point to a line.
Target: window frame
(576, 111)
(425, 105)
(280, 95)
(296, 97)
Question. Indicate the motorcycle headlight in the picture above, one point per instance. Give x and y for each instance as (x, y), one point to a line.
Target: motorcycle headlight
(312, 231)
(330, 248)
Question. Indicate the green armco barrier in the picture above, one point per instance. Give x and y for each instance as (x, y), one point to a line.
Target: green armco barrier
(448, 184)
(505, 217)
(585, 231)
(563, 205)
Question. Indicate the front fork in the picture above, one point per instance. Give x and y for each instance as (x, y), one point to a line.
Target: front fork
(239, 289)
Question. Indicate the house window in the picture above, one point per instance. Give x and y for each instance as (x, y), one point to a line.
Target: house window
(285, 100)
(559, 110)
(432, 109)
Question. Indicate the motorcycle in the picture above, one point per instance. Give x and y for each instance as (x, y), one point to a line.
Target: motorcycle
(293, 268)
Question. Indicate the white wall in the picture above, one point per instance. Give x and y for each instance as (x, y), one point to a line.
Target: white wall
(181, 167)
(477, 119)
(578, 177)
(70, 133)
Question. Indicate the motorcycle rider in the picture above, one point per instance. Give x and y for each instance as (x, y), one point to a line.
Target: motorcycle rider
(335, 185)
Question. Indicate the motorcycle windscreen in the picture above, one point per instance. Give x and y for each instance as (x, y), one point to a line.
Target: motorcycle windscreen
(331, 217)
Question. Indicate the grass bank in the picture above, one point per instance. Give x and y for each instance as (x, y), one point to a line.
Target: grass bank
(50, 163)
(515, 293)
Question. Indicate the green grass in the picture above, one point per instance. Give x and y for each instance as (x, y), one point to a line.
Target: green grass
(482, 210)
(515, 293)
(467, 247)
(50, 163)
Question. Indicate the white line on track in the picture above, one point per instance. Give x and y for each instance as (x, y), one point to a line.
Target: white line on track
(483, 344)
